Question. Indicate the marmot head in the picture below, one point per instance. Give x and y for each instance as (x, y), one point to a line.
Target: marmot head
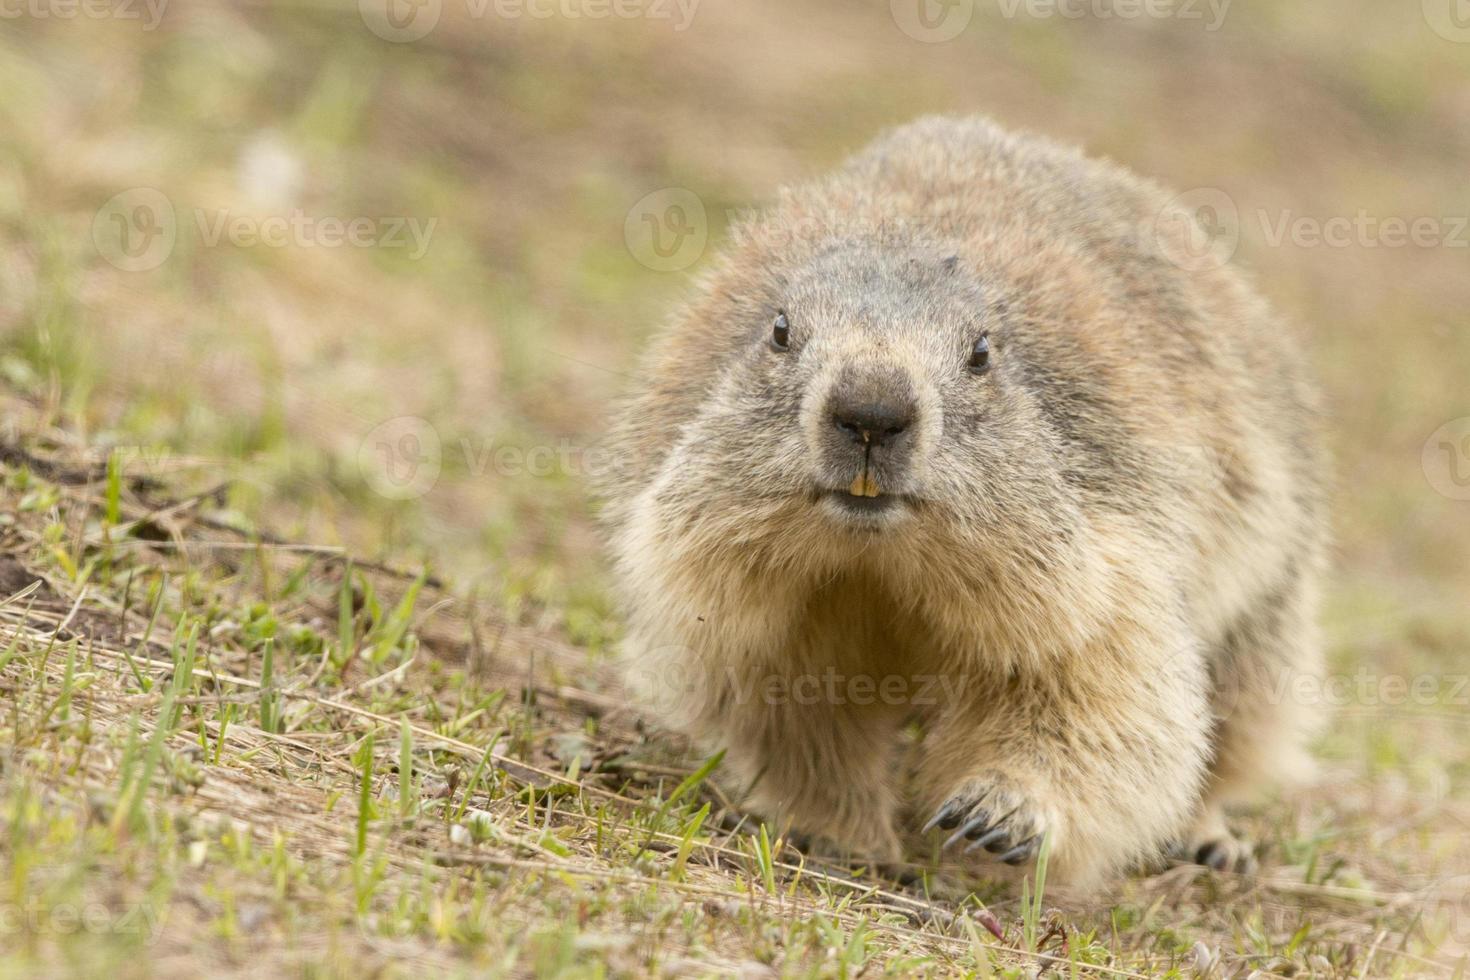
(871, 388)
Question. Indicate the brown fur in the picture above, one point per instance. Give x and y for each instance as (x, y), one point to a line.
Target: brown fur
(1110, 548)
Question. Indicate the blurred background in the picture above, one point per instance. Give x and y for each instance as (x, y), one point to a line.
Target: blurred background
(381, 266)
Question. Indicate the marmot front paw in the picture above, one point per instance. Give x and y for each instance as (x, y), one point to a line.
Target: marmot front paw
(992, 813)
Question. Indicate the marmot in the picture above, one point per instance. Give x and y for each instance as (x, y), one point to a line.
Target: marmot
(946, 438)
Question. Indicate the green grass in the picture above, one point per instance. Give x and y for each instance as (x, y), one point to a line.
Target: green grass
(208, 751)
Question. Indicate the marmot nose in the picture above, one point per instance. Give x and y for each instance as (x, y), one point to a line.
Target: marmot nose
(873, 422)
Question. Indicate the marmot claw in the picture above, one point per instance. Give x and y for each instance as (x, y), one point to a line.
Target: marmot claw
(1225, 854)
(997, 819)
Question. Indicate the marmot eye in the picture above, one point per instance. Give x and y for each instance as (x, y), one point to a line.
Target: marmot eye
(980, 355)
(781, 331)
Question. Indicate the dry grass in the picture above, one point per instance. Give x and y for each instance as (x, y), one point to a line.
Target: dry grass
(234, 387)
(173, 805)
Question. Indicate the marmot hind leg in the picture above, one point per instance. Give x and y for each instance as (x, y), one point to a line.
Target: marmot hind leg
(1266, 705)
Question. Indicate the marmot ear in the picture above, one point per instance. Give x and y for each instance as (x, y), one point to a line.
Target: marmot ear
(950, 264)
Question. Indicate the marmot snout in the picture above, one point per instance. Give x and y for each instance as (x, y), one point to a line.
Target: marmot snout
(946, 437)
(873, 410)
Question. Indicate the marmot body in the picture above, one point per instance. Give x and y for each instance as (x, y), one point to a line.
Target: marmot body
(946, 437)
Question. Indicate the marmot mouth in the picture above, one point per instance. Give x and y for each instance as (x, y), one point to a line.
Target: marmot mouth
(862, 506)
